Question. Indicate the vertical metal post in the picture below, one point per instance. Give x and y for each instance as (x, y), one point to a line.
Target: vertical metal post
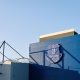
(68, 68)
(3, 51)
(63, 62)
(44, 58)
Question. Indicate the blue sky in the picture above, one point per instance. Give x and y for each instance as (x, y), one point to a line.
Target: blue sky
(23, 21)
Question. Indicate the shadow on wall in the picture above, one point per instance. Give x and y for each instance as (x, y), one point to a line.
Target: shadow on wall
(38, 72)
(71, 55)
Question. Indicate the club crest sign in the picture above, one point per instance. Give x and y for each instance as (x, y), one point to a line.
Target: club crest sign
(54, 55)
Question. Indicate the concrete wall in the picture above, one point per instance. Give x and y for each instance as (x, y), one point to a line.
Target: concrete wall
(5, 71)
(57, 35)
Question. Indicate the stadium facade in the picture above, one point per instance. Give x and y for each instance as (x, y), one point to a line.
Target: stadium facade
(55, 57)
(58, 55)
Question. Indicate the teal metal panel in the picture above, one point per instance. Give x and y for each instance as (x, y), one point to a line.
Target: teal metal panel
(19, 71)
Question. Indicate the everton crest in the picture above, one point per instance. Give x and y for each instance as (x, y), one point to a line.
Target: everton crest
(54, 55)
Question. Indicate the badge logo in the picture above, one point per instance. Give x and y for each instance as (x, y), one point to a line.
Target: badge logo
(54, 55)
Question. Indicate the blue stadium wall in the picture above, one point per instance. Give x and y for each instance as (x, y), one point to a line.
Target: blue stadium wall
(70, 62)
(38, 72)
(26, 71)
